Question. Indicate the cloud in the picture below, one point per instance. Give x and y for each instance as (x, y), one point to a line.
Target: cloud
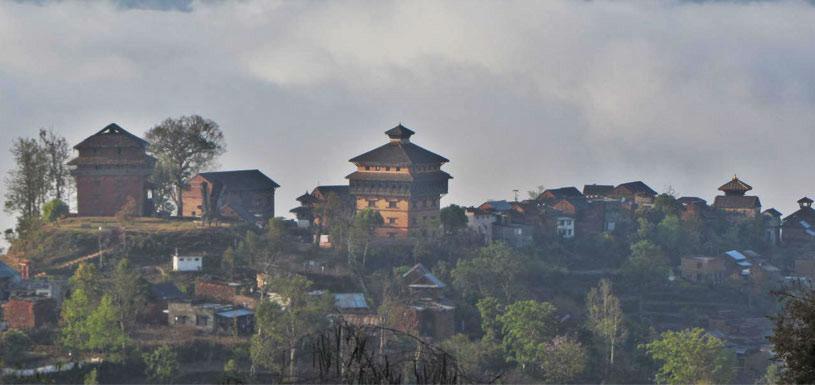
(516, 94)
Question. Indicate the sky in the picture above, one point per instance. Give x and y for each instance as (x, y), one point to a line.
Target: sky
(679, 94)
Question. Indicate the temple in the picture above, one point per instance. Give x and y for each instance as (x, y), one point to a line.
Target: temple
(735, 201)
(403, 182)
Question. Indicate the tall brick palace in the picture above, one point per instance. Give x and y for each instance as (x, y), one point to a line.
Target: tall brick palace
(112, 166)
(402, 181)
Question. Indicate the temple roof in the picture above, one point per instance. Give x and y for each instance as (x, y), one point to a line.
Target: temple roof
(112, 129)
(399, 152)
(399, 132)
(241, 180)
(636, 188)
(736, 202)
(399, 177)
(736, 186)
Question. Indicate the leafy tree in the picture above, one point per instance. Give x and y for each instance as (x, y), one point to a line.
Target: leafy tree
(691, 357)
(102, 328)
(129, 294)
(772, 376)
(14, 345)
(75, 311)
(453, 219)
(54, 210)
(561, 360)
(184, 146)
(161, 365)
(27, 184)
(92, 378)
(280, 329)
(362, 233)
(793, 334)
(482, 360)
(56, 152)
(496, 271)
(86, 278)
(489, 309)
(525, 325)
(605, 318)
(647, 263)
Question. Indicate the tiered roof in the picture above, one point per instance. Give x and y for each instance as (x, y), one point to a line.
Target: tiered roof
(399, 151)
(735, 187)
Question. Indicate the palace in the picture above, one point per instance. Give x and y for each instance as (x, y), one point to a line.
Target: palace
(403, 182)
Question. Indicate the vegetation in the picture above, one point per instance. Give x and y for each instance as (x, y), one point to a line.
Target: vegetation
(161, 365)
(691, 357)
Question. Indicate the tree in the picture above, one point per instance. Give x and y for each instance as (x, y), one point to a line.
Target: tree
(161, 365)
(691, 357)
(75, 311)
(54, 210)
(647, 263)
(489, 309)
(453, 219)
(280, 329)
(605, 318)
(561, 360)
(92, 378)
(482, 360)
(184, 146)
(27, 184)
(86, 278)
(56, 152)
(102, 328)
(525, 325)
(793, 334)
(129, 294)
(362, 233)
(14, 345)
(496, 271)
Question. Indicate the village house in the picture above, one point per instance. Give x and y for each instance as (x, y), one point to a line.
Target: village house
(799, 227)
(428, 315)
(772, 222)
(213, 318)
(237, 195)
(594, 192)
(160, 295)
(353, 308)
(637, 192)
(704, 269)
(187, 263)
(556, 194)
(237, 293)
(502, 221)
(403, 182)
(8, 277)
(30, 312)
(320, 203)
(112, 168)
(51, 288)
(735, 203)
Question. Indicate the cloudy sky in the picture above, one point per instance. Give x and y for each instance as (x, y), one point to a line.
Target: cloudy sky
(680, 94)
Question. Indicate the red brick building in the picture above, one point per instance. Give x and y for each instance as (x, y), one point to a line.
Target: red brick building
(243, 194)
(112, 167)
(799, 227)
(29, 313)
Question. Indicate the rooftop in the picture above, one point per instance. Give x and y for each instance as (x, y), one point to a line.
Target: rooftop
(735, 187)
(399, 152)
(241, 180)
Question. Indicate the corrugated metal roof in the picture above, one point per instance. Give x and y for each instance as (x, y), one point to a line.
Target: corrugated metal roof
(736, 255)
(235, 313)
(8, 272)
(350, 301)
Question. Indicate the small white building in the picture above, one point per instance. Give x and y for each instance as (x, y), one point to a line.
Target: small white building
(187, 263)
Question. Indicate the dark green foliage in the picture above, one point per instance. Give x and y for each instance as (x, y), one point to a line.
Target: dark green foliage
(453, 219)
(54, 210)
(14, 345)
(496, 271)
(161, 365)
(691, 357)
(794, 334)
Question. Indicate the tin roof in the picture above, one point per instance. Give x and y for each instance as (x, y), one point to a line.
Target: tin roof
(349, 301)
(235, 313)
(8, 272)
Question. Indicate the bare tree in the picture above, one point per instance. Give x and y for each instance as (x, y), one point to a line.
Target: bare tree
(184, 146)
(605, 317)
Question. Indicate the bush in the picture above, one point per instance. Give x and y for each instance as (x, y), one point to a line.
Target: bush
(54, 210)
(13, 346)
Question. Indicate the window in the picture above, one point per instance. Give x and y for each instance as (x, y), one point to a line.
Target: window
(197, 259)
(193, 213)
(393, 204)
(398, 169)
(180, 319)
(387, 168)
(377, 168)
(391, 221)
(698, 265)
(201, 320)
(372, 203)
(367, 168)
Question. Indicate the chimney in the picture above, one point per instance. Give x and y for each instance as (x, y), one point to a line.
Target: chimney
(25, 269)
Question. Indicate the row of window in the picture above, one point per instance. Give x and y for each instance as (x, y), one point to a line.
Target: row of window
(398, 169)
(379, 168)
(430, 203)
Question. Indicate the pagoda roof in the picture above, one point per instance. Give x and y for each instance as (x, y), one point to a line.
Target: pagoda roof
(804, 201)
(111, 129)
(735, 185)
(398, 177)
(399, 132)
(399, 152)
(736, 202)
(307, 198)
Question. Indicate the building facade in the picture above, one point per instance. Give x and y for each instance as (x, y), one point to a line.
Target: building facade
(112, 168)
(403, 182)
(243, 194)
(735, 202)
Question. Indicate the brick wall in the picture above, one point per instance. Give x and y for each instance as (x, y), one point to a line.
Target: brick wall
(28, 314)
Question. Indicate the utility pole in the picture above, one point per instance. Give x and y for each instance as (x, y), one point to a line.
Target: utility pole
(101, 257)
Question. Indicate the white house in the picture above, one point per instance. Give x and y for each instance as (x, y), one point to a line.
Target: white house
(187, 263)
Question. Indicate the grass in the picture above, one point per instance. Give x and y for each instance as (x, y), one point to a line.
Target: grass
(92, 224)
